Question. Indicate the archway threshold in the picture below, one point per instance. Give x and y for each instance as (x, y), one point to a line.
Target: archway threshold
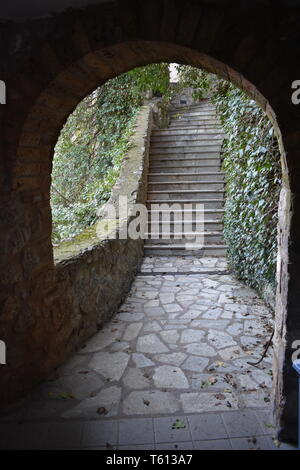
(169, 370)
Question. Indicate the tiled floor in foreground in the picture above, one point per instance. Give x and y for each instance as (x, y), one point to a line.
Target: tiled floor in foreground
(179, 346)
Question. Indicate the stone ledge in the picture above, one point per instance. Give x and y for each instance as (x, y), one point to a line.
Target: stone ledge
(131, 183)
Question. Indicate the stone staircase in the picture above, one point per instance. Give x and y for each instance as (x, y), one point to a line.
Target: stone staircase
(184, 171)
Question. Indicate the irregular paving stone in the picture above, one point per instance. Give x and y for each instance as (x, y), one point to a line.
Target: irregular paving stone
(202, 308)
(103, 339)
(212, 313)
(235, 329)
(174, 358)
(151, 327)
(150, 344)
(130, 316)
(141, 361)
(77, 386)
(219, 325)
(262, 377)
(132, 331)
(260, 310)
(201, 402)
(172, 308)
(249, 341)
(219, 339)
(170, 377)
(210, 382)
(150, 403)
(247, 383)
(154, 312)
(200, 349)
(107, 399)
(254, 327)
(110, 365)
(170, 336)
(135, 379)
(227, 314)
(190, 315)
(73, 365)
(195, 363)
(210, 283)
(256, 399)
(178, 326)
(150, 294)
(166, 298)
(236, 308)
(119, 346)
(231, 353)
(152, 303)
(191, 336)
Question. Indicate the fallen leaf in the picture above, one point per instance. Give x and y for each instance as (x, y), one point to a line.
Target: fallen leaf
(114, 329)
(220, 396)
(102, 411)
(65, 395)
(268, 425)
(179, 424)
(220, 364)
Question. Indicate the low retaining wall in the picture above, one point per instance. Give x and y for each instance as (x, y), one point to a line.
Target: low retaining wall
(84, 288)
(97, 274)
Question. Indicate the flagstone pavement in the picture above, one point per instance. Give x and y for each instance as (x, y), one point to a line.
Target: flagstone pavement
(178, 349)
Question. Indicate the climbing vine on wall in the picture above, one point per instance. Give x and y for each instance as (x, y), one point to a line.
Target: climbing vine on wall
(253, 178)
(92, 145)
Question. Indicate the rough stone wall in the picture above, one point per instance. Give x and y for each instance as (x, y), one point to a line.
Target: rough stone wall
(91, 276)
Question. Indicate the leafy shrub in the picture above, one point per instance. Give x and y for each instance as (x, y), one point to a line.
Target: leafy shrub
(251, 161)
(92, 145)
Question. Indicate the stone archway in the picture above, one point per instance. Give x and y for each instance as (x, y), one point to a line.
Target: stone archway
(50, 65)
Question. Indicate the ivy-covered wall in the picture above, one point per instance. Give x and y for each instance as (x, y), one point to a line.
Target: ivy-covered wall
(251, 161)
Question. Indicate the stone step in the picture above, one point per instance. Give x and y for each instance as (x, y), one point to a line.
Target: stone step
(193, 132)
(184, 155)
(184, 149)
(184, 139)
(186, 177)
(186, 144)
(194, 109)
(195, 167)
(176, 225)
(179, 238)
(207, 203)
(200, 115)
(213, 215)
(185, 185)
(173, 250)
(187, 162)
(186, 194)
(193, 123)
(199, 128)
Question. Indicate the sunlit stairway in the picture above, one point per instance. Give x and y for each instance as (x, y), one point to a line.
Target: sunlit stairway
(184, 168)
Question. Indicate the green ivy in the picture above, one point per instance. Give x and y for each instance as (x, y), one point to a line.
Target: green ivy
(251, 161)
(92, 145)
